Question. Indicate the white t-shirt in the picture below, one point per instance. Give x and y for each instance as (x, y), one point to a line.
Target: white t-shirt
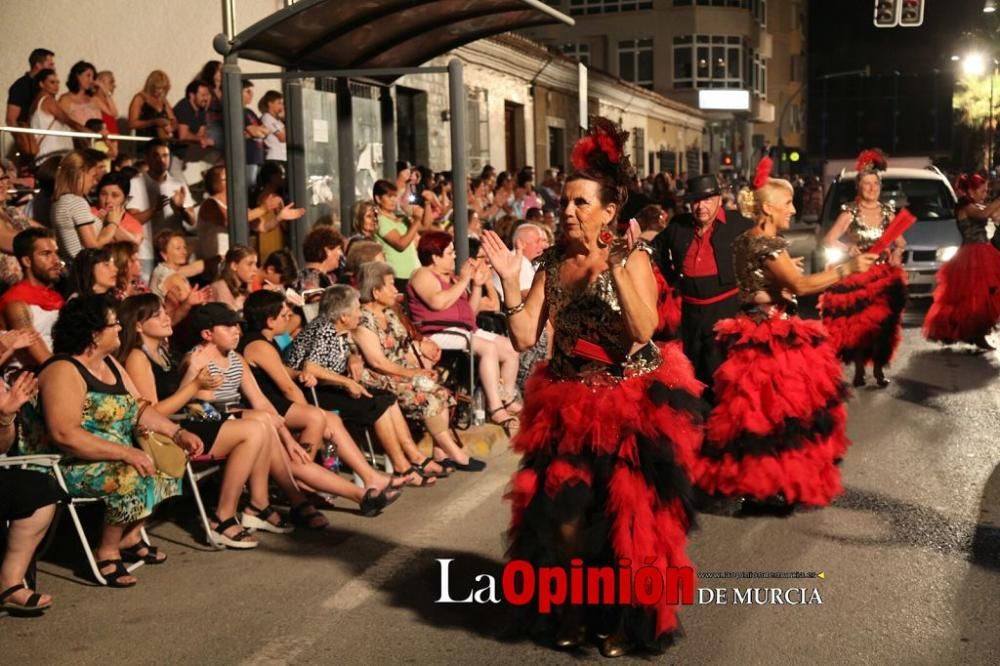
(527, 277)
(160, 275)
(144, 192)
(69, 213)
(273, 147)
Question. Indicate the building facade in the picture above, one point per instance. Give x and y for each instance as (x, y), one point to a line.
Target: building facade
(680, 48)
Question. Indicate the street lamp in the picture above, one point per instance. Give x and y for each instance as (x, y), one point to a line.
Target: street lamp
(974, 64)
(990, 6)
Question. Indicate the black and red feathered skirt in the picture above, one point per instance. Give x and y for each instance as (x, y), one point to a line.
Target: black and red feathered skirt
(779, 423)
(863, 314)
(967, 297)
(668, 308)
(613, 459)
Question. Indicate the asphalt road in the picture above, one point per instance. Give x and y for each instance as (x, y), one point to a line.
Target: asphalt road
(910, 556)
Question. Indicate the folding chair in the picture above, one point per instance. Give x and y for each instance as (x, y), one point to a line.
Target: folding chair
(52, 462)
(369, 451)
(207, 466)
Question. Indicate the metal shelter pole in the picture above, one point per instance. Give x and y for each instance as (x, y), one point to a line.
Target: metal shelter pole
(388, 131)
(459, 193)
(235, 151)
(345, 153)
(296, 177)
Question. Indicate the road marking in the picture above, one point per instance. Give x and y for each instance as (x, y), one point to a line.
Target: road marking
(361, 588)
(287, 649)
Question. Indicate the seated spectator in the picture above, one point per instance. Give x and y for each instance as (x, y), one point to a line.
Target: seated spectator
(323, 250)
(361, 252)
(239, 268)
(549, 222)
(211, 73)
(395, 367)
(269, 228)
(268, 316)
(149, 113)
(28, 501)
(475, 224)
(21, 95)
(75, 223)
(479, 201)
(323, 351)
(12, 222)
(33, 304)
(172, 253)
(530, 240)
(125, 254)
(104, 91)
(145, 334)
(533, 215)
(441, 302)
(46, 113)
(364, 221)
(272, 117)
(192, 131)
(87, 411)
(219, 331)
(397, 234)
(113, 193)
(212, 227)
(159, 201)
(79, 103)
(279, 272)
(93, 273)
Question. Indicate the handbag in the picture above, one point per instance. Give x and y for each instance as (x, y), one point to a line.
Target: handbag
(168, 458)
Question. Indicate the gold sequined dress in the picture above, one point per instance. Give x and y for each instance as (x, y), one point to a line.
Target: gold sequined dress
(607, 440)
(779, 424)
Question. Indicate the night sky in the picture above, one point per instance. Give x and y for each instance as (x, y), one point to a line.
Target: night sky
(905, 106)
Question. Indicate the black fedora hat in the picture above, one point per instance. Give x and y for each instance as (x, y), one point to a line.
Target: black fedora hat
(702, 187)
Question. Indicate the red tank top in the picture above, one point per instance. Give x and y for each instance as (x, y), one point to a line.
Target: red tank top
(428, 320)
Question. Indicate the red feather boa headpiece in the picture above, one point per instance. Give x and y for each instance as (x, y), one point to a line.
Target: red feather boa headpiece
(763, 172)
(871, 160)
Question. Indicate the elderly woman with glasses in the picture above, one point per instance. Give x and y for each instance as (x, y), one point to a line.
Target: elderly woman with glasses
(86, 411)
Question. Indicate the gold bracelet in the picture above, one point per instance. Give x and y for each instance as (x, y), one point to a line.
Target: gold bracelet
(511, 311)
(8, 422)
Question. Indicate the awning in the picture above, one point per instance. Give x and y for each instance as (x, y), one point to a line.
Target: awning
(346, 34)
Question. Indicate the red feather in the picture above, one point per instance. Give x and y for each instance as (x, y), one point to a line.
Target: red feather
(763, 172)
(581, 151)
(872, 157)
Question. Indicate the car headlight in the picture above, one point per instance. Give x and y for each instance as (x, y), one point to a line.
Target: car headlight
(834, 255)
(946, 253)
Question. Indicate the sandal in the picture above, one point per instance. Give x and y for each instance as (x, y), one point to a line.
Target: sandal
(239, 541)
(425, 481)
(32, 606)
(510, 425)
(113, 578)
(308, 520)
(419, 469)
(132, 554)
(374, 503)
(259, 520)
(474, 465)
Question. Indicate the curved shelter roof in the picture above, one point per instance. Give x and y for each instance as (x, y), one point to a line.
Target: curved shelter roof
(364, 34)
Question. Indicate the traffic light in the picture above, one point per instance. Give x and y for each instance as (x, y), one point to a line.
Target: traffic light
(886, 13)
(911, 13)
(727, 160)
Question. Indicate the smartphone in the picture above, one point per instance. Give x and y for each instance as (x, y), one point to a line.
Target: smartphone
(414, 198)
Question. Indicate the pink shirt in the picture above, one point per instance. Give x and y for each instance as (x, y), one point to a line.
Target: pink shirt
(458, 314)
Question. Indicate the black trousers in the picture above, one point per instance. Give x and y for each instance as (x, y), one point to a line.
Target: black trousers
(698, 336)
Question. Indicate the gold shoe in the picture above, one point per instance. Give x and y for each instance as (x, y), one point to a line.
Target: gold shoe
(615, 646)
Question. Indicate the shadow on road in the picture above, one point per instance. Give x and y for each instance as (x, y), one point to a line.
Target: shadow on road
(946, 370)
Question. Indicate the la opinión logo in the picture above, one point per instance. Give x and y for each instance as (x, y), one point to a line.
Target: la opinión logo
(522, 583)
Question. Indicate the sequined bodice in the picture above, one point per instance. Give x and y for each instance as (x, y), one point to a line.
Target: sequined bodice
(860, 234)
(750, 253)
(592, 314)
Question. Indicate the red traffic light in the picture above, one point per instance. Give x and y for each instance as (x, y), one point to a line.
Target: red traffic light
(911, 13)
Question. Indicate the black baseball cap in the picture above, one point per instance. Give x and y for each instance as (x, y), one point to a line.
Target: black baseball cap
(210, 315)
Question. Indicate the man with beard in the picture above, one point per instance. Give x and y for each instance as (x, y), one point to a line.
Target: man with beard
(694, 254)
(33, 304)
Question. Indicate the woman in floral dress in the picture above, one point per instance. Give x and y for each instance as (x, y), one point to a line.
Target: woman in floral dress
(393, 365)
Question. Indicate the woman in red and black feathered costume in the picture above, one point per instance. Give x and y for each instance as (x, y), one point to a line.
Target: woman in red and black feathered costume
(863, 314)
(779, 425)
(612, 423)
(967, 298)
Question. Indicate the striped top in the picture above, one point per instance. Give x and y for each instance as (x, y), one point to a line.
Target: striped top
(69, 213)
(232, 376)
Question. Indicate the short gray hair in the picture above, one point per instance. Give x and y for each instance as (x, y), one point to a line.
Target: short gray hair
(371, 276)
(523, 228)
(337, 301)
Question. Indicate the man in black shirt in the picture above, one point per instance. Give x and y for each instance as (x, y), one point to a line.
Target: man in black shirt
(20, 95)
(192, 132)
